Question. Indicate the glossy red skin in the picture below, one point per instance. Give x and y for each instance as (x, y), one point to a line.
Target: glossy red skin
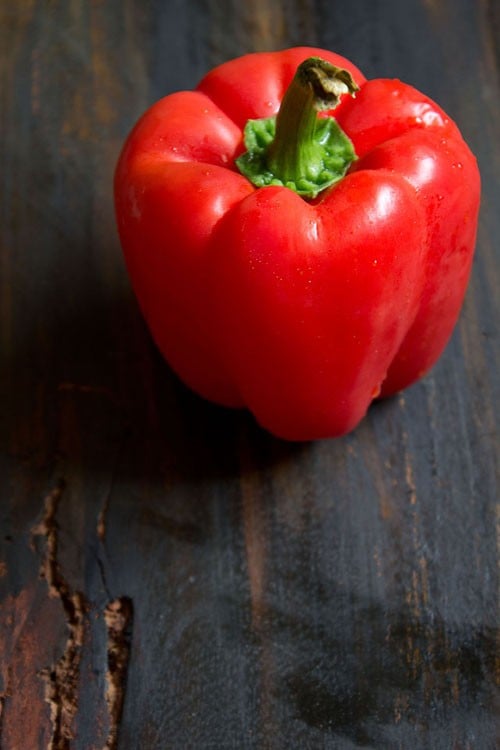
(301, 311)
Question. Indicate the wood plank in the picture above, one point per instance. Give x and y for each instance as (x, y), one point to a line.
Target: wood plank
(170, 575)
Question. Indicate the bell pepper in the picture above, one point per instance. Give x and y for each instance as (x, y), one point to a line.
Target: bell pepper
(299, 238)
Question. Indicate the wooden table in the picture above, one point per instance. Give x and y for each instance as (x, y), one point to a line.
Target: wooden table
(171, 576)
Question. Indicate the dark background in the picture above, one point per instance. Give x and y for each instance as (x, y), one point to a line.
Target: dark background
(170, 575)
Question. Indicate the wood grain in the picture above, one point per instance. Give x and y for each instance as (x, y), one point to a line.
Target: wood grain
(170, 575)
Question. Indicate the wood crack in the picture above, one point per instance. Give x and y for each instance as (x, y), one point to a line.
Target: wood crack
(118, 617)
(61, 679)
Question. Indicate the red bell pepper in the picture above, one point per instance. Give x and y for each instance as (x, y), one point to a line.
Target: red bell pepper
(320, 269)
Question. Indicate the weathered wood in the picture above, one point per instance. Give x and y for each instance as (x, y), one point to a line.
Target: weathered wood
(170, 575)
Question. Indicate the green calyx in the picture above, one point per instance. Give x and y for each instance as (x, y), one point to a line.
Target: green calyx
(297, 149)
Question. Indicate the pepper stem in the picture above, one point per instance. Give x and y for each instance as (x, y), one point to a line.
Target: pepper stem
(316, 86)
(298, 149)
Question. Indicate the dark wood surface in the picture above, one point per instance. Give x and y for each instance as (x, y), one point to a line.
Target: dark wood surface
(170, 575)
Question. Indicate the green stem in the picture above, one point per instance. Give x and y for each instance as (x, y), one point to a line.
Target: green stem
(298, 149)
(295, 152)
